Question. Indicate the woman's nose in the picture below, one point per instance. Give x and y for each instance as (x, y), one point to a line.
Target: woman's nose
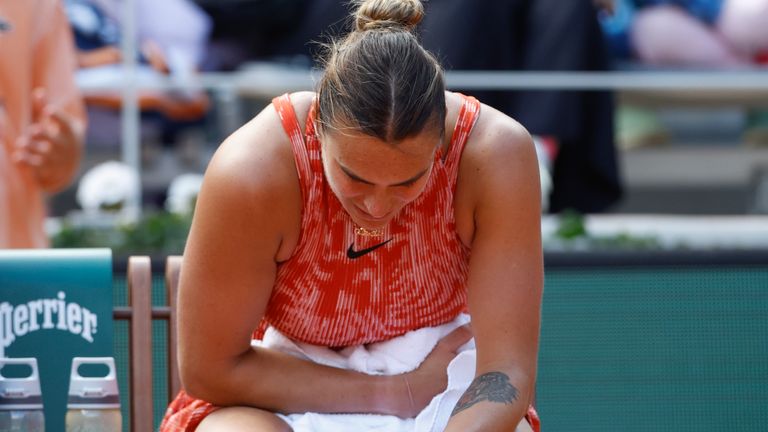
(377, 205)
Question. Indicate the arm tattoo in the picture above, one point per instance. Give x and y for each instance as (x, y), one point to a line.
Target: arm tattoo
(492, 386)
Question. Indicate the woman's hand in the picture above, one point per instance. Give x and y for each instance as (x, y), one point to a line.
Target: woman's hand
(52, 146)
(419, 386)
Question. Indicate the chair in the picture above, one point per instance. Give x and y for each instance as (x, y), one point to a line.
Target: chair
(140, 313)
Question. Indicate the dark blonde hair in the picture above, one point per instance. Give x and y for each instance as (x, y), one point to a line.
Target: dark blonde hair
(378, 79)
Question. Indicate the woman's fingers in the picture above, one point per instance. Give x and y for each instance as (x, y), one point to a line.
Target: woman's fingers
(51, 145)
(455, 339)
(431, 377)
(31, 159)
(64, 125)
(35, 147)
(39, 102)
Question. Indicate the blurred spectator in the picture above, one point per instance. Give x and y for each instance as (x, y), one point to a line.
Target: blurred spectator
(533, 35)
(245, 30)
(177, 28)
(710, 33)
(540, 35)
(171, 44)
(164, 48)
(688, 33)
(42, 120)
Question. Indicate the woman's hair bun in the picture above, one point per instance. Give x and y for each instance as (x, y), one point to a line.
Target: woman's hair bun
(376, 14)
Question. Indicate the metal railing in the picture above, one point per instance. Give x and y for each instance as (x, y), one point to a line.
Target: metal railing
(270, 81)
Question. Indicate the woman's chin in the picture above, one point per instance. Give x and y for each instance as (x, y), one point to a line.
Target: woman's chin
(371, 224)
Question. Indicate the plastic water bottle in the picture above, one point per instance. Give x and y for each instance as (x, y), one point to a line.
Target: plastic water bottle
(21, 403)
(93, 404)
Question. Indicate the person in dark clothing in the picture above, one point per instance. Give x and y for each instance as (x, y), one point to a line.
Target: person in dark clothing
(245, 30)
(540, 35)
(523, 35)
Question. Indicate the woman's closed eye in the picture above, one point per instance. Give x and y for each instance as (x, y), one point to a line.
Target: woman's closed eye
(407, 183)
(356, 179)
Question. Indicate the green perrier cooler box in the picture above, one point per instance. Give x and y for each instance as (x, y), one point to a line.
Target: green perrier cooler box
(55, 304)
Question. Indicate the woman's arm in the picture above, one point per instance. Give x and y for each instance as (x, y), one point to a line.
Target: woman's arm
(52, 145)
(505, 276)
(246, 217)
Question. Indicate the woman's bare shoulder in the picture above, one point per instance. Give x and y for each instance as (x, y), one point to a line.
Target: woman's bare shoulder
(252, 178)
(497, 135)
(259, 154)
(499, 155)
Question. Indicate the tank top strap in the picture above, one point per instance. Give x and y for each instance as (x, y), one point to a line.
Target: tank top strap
(287, 115)
(468, 115)
(313, 143)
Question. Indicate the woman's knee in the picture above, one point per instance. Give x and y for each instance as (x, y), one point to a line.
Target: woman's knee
(243, 419)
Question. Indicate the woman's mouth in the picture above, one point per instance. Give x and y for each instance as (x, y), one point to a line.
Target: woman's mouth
(370, 218)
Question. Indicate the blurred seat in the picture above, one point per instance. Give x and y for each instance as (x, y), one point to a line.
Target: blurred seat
(140, 313)
(102, 87)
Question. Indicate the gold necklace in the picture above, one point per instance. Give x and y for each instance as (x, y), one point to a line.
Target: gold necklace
(365, 232)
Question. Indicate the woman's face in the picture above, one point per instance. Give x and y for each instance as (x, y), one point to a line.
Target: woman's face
(373, 180)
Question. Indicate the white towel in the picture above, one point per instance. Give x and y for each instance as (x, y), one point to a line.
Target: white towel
(395, 356)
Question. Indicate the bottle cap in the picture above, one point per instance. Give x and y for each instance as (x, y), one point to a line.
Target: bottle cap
(20, 393)
(93, 392)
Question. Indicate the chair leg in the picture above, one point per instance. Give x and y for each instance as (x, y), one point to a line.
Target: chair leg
(140, 300)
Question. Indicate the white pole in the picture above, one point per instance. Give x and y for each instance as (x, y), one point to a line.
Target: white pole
(131, 147)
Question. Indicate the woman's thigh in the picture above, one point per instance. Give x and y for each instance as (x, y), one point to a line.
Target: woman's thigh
(242, 419)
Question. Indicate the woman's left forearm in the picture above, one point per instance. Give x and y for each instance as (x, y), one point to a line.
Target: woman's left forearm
(496, 400)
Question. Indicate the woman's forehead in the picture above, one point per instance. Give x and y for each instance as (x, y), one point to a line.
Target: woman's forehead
(352, 143)
(378, 162)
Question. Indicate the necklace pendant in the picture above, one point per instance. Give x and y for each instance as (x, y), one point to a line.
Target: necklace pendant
(365, 232)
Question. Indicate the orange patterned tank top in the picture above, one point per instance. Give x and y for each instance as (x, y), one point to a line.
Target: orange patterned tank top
(340, 288)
